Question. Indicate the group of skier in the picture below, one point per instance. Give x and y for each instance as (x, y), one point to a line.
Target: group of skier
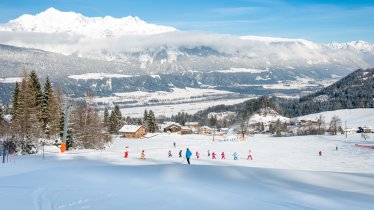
(188, 154)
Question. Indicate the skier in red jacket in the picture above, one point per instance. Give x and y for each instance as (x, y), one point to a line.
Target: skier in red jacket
(223, 156)
(126, 154)
(213, 155)
(197, 155)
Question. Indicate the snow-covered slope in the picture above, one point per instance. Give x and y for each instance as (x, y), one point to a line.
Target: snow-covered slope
(55, 21)
(286, 173)
(353, 118)
(266, 116)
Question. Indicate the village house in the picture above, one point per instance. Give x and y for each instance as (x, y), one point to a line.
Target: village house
(194, 126)
(185, 130)
(367, 129)
(133, 131)
(171, 127)
(349, 130)
(206, 130)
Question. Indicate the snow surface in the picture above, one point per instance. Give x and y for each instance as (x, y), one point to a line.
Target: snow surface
(285, 173)
(190, 100)
(243, 70)
(129, 128)
(95, 76)
(266, 116)
(173, 109)
(353, 117)
(11, 80)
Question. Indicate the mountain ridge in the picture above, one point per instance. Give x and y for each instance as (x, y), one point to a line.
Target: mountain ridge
(55, 21)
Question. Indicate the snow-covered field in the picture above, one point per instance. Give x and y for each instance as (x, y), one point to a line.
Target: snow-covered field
(286, 173)
(173, 109)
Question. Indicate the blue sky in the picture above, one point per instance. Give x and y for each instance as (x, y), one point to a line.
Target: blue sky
(320, 21)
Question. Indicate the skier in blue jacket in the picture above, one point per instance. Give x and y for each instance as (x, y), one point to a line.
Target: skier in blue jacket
(188, 155)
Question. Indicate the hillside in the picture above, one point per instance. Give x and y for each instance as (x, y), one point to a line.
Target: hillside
(356, 90)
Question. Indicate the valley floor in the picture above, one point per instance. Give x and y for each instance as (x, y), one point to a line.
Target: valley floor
(286, 173)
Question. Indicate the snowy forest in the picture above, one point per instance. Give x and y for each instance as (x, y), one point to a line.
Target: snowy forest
(37, 117)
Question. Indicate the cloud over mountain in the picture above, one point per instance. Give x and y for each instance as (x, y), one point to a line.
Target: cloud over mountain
(131, 39)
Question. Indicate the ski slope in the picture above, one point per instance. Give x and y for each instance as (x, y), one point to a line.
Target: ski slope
(286, 173)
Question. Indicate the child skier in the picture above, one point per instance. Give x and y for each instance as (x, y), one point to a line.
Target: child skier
(180, 153)
(235, 156)
(197, 155)
(142, 155)
(208, 153)
(249, 155)
(213, 155)
(223, 156)
(126, 154)
(169, 154)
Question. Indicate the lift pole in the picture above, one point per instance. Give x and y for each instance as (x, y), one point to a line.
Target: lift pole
(66, 121)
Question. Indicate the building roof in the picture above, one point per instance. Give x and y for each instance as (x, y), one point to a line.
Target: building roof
(191, 123)
(206, 127)
(130, 128)
(168, 124)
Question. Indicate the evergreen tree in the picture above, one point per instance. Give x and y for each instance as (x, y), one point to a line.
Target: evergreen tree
(26, 123)
(106, 117)
(36, 94)
(151, 122)
(145, 119)
(2, 126)
(50, 110)
(112, 127)
(115, 120)
(15, 100)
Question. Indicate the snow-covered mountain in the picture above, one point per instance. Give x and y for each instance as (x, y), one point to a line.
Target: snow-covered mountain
(358, 46)
(55, 21)
(130, 46)
(164, 49)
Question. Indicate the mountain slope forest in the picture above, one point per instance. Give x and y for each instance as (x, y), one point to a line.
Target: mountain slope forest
(356, 90)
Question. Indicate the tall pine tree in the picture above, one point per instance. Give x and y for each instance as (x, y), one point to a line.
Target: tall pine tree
(106, 117)
(115, 120)
(145, 119)
(50, 111)
(15, 101)
(151, 122)
(36, 93)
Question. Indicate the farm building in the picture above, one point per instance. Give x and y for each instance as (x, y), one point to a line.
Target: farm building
(171, 127)
(133, 131)
(185, 130)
